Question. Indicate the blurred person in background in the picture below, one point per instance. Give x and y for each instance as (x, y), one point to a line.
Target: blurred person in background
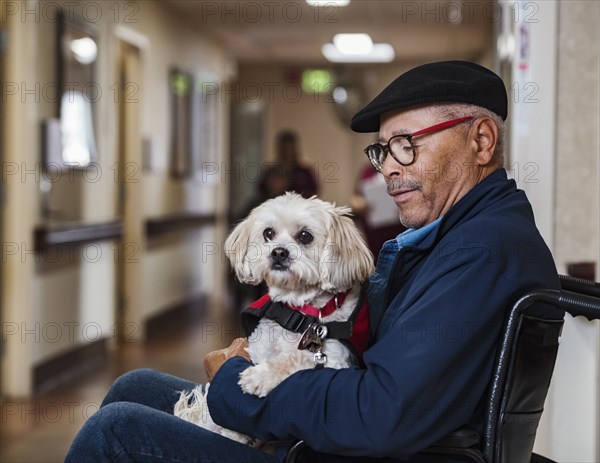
(301, 178)
(376, 214)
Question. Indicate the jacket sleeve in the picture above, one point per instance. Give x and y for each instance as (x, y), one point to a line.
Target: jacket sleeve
(422, 379)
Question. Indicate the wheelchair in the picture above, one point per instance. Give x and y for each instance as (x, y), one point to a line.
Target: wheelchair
(518, 388)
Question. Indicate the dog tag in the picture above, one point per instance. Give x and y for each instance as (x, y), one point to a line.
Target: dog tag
(320, 359)
(312, 338)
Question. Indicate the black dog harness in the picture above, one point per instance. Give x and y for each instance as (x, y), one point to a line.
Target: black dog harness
(354, 332)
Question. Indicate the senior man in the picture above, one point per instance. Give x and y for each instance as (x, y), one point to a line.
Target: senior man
(437, 300)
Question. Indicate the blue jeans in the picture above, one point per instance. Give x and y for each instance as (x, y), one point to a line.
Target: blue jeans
(135, 423)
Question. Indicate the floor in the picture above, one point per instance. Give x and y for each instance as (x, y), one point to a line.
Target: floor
(40, 430)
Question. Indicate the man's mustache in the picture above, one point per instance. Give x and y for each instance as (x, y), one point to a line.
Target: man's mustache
(393, 185)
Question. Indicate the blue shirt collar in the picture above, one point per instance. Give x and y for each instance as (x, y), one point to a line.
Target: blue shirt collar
(414, 236)
(378, 280)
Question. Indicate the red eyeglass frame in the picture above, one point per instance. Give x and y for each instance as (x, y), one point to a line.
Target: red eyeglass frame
(409, 137)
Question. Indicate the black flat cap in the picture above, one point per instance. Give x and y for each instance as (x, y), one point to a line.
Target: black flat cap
(443, 82)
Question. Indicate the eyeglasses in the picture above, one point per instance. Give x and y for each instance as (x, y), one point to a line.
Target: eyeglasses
(401, 146)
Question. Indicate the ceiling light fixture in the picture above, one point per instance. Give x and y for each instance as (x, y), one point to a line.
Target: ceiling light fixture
(353, 44)
(328, 2)
(380, 53)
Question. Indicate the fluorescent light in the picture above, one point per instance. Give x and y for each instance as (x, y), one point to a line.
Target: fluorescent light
(353, 44)
(381, 53)
(328, 2)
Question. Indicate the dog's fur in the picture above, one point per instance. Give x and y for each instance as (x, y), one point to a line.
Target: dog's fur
(335, 260)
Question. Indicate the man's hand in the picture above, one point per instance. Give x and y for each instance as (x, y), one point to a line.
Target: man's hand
(214, 360)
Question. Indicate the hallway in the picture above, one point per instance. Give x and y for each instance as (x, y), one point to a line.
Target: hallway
(40, 430)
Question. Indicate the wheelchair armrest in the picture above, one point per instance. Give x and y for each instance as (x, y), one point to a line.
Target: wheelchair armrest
(463, 438)
(296, 451)
(464, 444)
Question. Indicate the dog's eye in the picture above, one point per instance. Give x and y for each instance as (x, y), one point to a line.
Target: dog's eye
(305, 237)
(269, 234)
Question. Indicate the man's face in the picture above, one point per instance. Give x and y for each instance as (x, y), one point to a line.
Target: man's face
(443, 172)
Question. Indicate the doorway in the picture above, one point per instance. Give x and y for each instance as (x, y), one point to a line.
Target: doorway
(128, 177)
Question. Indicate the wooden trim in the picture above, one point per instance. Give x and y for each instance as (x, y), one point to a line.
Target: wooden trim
(70, 365)
(172, 319)
(84, 358)
(161, 225)
(76, 233)
(585, 270)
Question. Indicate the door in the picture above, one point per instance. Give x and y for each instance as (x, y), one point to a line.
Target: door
(128, 176)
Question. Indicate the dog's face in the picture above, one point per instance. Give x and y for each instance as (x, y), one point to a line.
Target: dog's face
(293, 243)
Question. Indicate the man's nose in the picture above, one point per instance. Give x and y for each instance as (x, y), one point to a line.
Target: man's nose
(391, 167)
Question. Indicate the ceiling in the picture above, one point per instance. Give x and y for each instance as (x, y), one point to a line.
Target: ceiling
(293, 32)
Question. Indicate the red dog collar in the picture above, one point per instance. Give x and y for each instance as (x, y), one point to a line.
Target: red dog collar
(332, 305)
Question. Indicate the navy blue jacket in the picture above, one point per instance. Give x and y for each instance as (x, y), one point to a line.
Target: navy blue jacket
(435, 339)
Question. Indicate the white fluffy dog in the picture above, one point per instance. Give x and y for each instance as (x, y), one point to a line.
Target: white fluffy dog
(313, 258)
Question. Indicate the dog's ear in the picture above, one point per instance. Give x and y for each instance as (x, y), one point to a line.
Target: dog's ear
(237, 246)
(346, 258)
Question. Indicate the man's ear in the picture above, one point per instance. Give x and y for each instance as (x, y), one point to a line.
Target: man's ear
(484, 138)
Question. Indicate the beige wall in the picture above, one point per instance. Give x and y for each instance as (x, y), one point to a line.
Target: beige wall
(577, 219)
(20, 147)
(179, 269)
(55, 304)
(572, 420)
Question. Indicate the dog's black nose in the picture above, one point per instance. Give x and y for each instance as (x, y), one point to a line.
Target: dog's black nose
(279, 254)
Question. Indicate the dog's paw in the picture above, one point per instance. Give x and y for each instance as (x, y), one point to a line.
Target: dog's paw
(236, 436)
(258, 380)
(250, 380)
